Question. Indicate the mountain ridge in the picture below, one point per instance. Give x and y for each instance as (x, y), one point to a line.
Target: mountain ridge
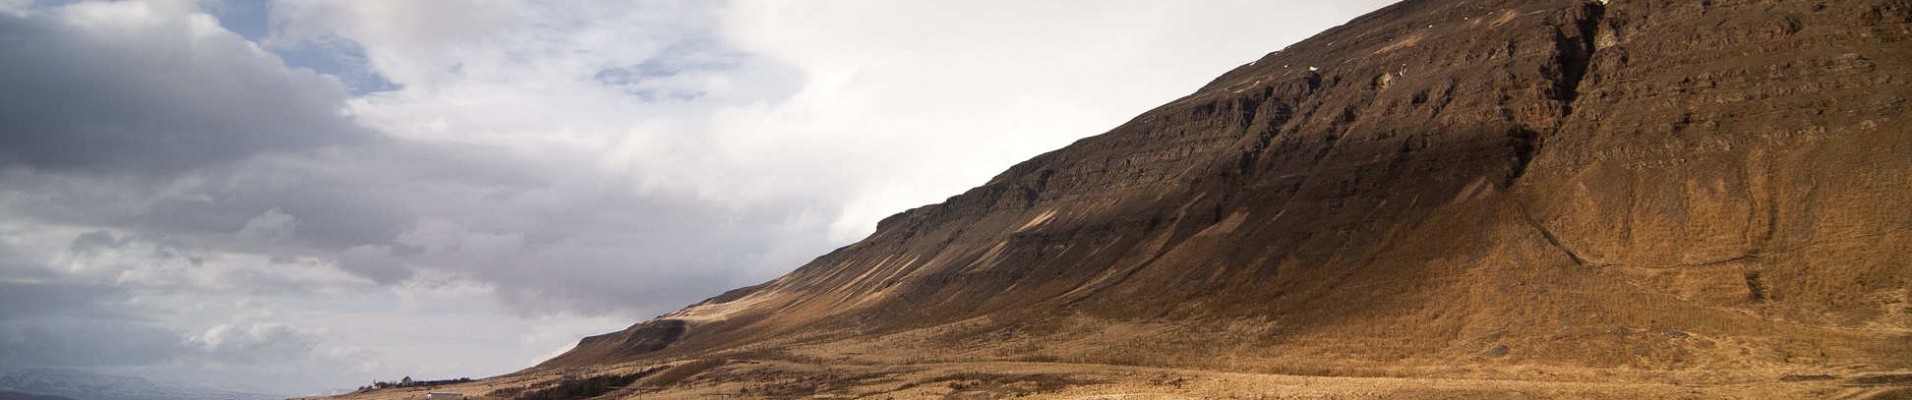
(54, 383)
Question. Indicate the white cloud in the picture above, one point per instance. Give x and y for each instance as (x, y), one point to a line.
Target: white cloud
(254, 343)
(269, 227)
(418, 41)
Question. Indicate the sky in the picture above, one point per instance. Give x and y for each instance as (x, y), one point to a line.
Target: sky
(299, 196)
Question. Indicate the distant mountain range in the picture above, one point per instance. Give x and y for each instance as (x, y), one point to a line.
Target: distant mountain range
(64, 384)
(12, 395)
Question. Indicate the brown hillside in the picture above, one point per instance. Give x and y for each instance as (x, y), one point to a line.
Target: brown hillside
(1625, 191)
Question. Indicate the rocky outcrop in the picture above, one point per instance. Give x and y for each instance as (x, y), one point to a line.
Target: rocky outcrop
(1627, 183)
(638, 340)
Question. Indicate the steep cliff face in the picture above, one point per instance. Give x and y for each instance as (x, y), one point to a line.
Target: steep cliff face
(1625, 183)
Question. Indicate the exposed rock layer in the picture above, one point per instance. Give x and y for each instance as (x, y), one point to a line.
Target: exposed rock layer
(1636, 183)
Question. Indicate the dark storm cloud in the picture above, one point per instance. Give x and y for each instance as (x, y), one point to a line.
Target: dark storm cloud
(154, 96)
(77, 325)
(361, 194)
(74, 325)
(68, 342)
(27, 300)
(547, 236)
(182, 158)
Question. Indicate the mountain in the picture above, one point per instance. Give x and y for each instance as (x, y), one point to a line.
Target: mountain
(12, 395)
(1443, 199)
(55, 384)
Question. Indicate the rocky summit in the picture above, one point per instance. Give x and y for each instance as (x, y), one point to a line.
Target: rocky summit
(1442, 199)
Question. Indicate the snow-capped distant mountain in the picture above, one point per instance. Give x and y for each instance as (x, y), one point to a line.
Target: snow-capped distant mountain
(12, 395)
(80, 385)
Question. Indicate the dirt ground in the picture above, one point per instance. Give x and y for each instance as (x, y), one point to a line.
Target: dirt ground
(789, 379)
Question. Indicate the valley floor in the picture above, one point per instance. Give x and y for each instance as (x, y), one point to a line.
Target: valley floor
(772, 378)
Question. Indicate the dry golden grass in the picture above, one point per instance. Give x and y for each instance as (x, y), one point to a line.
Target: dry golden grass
(988, 380)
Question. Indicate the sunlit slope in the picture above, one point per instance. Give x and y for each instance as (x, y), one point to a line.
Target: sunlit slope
(1666, 185)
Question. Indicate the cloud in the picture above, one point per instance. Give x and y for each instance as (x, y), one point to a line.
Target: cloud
(374, 262)
(161, 265)
(77, 326)
(67, 342)
(565, 230)
(255, 343)
(149, 87)
(419, 41)
(269, 227)
(22, 300)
